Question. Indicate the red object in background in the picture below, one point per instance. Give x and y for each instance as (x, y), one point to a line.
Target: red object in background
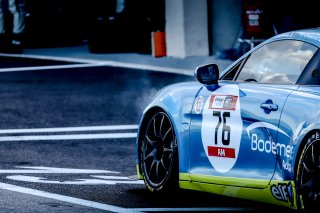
(253, 13)
(159, 44)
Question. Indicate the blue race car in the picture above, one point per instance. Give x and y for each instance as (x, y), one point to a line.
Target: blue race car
(251, 132)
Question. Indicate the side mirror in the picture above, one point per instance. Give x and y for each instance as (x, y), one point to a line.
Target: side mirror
(207, 74)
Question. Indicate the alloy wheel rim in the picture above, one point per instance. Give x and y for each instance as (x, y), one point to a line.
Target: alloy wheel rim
(158, 150)
(310, 176)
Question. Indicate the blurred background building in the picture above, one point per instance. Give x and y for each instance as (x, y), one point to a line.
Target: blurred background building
(180, 28)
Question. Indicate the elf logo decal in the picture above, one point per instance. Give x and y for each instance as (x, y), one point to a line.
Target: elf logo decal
(283, 192)
(222, 127)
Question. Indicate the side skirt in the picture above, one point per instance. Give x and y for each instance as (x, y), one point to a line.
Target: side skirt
(277, 192)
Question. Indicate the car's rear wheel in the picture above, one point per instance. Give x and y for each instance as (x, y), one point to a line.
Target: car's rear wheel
(308, 175)
(159, 154)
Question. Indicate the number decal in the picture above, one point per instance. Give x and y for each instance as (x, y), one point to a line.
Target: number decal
(218, 114)
(225, 128)
(222, 127)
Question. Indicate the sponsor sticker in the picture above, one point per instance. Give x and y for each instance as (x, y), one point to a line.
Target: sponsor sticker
(225, 102)
(260, 144)
(198, 104)
(222, 127)
(283, 192)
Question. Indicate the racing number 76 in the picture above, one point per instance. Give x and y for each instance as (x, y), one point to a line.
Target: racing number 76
(225, 137)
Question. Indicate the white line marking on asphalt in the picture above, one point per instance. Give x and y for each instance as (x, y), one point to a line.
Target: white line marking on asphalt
(93, 63)
(214, 209)
(102, 206)
(70, 129)
(111, 177)
(68, 66)
(68, 137)
(149, 67)
(33, 169)
(64, 198)
(33, 179)
(52, 170)
(55, 58)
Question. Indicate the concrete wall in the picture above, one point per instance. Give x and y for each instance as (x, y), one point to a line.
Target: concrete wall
(186, 28)
(175, 36)
(225, 19)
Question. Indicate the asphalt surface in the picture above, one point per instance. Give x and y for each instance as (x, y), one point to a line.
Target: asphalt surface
(11, 62)
(45, 169)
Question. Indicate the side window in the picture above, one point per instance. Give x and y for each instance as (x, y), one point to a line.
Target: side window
(278, 62)
(311, 76)
(232, 73)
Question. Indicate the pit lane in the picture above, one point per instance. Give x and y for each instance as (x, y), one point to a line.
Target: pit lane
(67, 141)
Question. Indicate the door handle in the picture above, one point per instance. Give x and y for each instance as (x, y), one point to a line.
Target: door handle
(269, 106)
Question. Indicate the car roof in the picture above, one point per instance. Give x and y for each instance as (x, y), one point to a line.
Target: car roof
(311, 35)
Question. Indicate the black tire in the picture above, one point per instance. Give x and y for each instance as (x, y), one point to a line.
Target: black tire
(159, 154)
(308, 175)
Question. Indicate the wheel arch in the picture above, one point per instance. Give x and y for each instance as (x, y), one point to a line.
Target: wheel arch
(177, 102)
(301, 146)
(304, 199)
(171, 177)
(181, 135)
(144, 120)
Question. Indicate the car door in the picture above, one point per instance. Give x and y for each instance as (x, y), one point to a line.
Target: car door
(234, 125)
